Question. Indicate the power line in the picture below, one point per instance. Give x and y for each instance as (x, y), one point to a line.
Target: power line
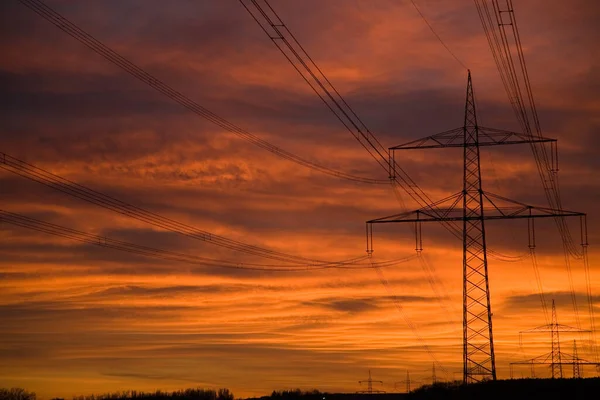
(437, 36)
(106, 242)
(495, 21)
(68, 27)
(40, 175)
(281, 36)
(65, 186)
(502, 32)
(88, 40)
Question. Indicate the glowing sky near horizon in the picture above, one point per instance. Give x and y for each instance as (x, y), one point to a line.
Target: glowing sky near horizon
(78, 319)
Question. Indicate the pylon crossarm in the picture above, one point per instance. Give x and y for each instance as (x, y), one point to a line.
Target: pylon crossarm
(530, 362)
(439, 140)
(495, 207)
(496, 199)
(455, 138)
(490, 213)
(547, 361)
(580, 362)
(427, 213)
(571, 359)
(492, 136)
(553, 328)
(566, 357)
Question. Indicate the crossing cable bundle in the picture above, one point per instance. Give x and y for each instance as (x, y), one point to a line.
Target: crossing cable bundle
(67, 26)
(438, 37)
(540, 287)
(394, 169)
(40, 175)
(499, 22)
(346, 112)
(106, 242)
(515, 81)
(88, 40)
(370, 139)
(288, 45)
(84, 193)
(270, 22)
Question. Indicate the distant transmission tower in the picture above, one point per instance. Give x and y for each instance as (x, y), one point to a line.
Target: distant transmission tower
(556, 358)
(477, 206)
(577, 372)
(369, 382)
(406, 382)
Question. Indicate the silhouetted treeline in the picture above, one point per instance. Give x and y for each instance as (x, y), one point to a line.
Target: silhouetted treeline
(517, 389)
(293, 394)
(186, 394)
(16, 394)
(296, 394)
(513, 389)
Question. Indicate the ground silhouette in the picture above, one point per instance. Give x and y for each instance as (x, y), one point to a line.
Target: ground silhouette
(513, 389)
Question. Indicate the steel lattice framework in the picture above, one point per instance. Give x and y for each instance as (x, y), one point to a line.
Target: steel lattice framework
(369, 383)
(478, 343)
(556, 358)
(477, 206)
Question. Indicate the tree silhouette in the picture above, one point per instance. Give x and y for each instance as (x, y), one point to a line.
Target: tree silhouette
(16, 394)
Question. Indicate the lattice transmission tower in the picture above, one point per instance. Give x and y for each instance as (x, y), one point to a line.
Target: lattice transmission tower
(472, 207)
(556, 358)
(406, 382)
(577, 367)
(369, 383)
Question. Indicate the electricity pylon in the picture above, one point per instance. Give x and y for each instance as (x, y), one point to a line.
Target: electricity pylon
(370, 389)
(406, 382)
(556, 358)
(477, 206)
(577, 372)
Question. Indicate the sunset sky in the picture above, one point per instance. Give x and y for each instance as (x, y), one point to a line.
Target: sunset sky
(81, 319)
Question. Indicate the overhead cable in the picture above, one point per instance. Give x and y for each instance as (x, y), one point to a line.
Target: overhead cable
(274, 27)
(56, 182)
(88, 40)
(106, 242)
(500, 27)
(437, 36)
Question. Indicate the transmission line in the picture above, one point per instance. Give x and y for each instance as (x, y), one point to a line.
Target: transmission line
(88, 40)
(106, 242)
(499, 22)
(405, 181)
(414, 4)
(516, 80)
(272, 24)
(40, 175)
